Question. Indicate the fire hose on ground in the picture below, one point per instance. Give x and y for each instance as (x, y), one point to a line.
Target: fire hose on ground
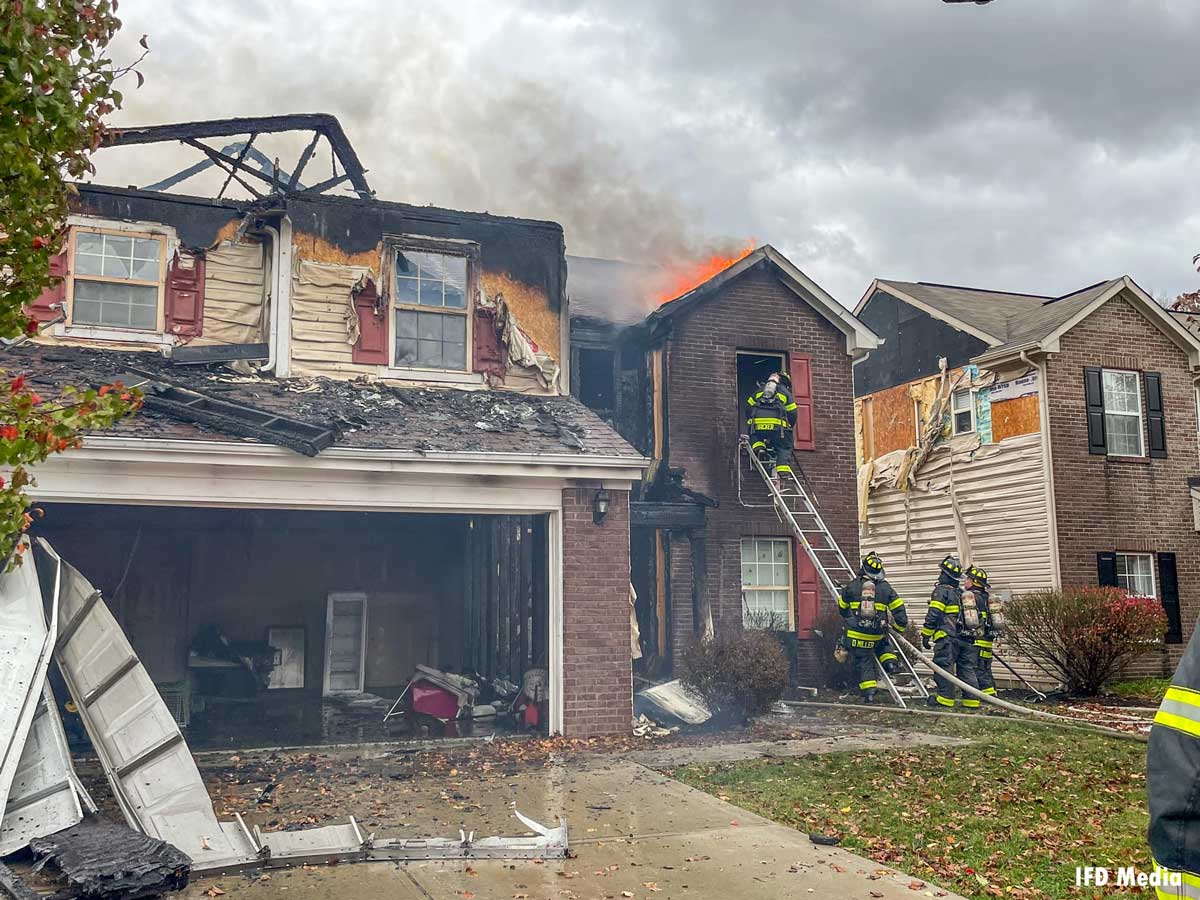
(968, 690)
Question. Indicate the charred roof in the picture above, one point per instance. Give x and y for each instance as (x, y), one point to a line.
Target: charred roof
(361, 414)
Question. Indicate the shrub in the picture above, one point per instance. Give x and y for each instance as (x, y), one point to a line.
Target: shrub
(830, 626)
(1086, 635)
(738, 674)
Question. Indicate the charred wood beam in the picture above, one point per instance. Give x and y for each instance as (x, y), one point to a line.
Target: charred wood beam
(240, 162)
(225, 164)
(323, 123)
(648, 514)
(226, 161)
(322, 186)
(701, 609)
(303, 161)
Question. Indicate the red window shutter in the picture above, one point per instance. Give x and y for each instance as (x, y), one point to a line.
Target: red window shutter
(371, 348)
(804, 437)
(52, 301)
(184, 302)
(488, 354)
(808, 592)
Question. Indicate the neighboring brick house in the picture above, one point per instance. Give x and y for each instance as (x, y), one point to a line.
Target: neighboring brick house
(678, 379)
(357, 449)
(1065, 448)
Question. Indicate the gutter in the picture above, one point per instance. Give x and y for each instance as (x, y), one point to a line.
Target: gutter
(1047, 464)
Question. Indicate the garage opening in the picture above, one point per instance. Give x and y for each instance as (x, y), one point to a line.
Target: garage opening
(288, 627)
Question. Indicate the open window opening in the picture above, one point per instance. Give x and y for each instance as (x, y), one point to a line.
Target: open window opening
(597, 378)
(292, 627)
(752, 371)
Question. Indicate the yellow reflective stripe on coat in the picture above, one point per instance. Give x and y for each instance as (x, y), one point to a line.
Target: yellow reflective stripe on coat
(1187, 886)
(1180, 710)
(862, 635)
(982, 642)
(938, 605)
(791, 407)
(765, 420)
(895, 604)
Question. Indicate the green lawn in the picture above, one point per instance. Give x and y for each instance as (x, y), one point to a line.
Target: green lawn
(1148, 690)
(1011, 815)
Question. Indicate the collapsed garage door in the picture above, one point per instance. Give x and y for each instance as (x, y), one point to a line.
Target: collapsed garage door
(288, 627)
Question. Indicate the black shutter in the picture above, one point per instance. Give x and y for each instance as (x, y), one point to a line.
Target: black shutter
(1154, 415)
(1093, 392)
(1106, 568)
(1168, 592)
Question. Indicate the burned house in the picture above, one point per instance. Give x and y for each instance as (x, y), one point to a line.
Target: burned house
(357, 454)
(1051, 440)
(708, 551)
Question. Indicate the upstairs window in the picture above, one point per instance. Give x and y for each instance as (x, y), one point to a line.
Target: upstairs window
(430, 310)
(116, 280)
(1122, 413)
(962, 411)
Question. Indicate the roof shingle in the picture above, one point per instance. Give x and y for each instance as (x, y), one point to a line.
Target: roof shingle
(365, 415)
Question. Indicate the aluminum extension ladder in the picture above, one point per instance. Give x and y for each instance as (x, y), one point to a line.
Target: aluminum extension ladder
(798, 512)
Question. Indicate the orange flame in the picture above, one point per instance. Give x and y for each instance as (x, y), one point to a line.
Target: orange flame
(679, 281)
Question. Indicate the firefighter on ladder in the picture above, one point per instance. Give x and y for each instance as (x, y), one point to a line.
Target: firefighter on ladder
(976, 580)
(770, 418)
(865, 604)
(952, 625)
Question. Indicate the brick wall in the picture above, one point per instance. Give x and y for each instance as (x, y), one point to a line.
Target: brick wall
(755, 312)
(597, 667)
(1109, 503)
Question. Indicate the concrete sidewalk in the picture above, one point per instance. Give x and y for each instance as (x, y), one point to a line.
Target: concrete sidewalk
(636, 833)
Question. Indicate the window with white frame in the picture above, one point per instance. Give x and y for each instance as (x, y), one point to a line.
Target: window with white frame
(116, 279)
(767, 583)
(1122, 412)
(431, 307)
(1135, 574)
(962, 411)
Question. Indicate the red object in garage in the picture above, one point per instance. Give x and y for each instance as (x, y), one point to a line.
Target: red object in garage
(431, 700)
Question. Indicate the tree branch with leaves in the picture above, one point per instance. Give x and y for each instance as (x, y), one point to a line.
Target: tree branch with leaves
(57, 85)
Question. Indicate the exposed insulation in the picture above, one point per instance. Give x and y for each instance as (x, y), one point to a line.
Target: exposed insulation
(313, 248)
(1002, 502)
(323, 318)
(861, 451)
(531, 307)
(233, 294)
(983, 415)
(1011, 418)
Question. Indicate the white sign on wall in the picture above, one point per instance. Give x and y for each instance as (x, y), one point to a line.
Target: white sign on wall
(1025, 386)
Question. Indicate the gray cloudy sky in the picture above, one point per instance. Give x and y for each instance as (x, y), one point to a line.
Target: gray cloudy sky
(1029, 145)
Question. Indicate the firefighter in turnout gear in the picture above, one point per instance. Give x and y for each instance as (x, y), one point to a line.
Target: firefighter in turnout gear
(1172, 773)
(865, 603)
(952, 625)
(770, 418)
(977, 580)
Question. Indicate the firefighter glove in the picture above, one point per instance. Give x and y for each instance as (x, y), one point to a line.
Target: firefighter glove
(925, 644)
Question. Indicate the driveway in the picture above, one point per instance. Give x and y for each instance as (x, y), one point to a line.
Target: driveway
(635, 833)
